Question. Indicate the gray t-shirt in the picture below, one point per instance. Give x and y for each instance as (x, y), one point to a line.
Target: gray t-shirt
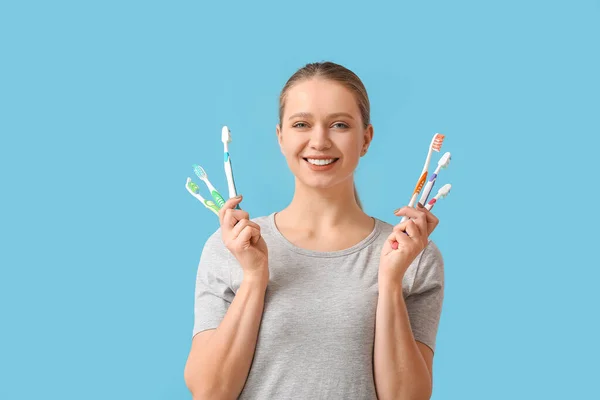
(318, 327)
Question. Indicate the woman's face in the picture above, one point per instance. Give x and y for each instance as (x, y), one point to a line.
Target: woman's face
(322, 135)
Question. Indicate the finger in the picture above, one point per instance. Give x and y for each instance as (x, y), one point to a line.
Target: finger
(403, 226)
(421, 221)
(410, 212)
(247, 234)
(398, 237)
(232, 217)
(255, 235)
(398, 231)
(432, 220)
(413, 230)
(426, 211)
(241, 225)
(229, 205)
(417, 214)
(391, 241)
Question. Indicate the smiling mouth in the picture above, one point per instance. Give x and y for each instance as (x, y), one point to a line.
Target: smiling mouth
(321, 162)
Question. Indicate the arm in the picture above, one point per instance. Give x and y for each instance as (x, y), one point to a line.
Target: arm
(403, 366)
(220, 359)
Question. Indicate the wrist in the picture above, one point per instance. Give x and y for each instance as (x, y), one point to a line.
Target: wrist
(390, 282)
(257, 277)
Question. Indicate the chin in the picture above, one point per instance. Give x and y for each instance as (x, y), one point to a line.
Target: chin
(318, 185)
(321, 182)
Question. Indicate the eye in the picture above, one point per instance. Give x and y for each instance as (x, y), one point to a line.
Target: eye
(340, 125)
(299, 125)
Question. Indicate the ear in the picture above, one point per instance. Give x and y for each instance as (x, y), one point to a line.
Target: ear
(367, 138)
(279, 136)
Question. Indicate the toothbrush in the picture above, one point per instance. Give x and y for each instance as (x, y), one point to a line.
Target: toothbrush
(435, 145)
(214, 193)
(443, 164)
(195, 191)
(443, 192)
(226, 138)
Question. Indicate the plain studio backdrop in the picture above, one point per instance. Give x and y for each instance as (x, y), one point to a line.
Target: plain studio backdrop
(105, 106)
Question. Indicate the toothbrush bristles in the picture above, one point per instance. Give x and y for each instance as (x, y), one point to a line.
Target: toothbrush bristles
(193, 187)
(444, 190)
(199, 171)
(438, 141)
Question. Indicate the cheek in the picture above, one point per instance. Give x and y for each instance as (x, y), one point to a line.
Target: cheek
(290, 148)
(293, 147)
(352, 148)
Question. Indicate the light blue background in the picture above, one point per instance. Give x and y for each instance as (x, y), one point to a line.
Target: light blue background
(104, 107)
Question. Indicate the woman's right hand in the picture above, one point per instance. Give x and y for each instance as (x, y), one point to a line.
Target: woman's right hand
(243, 239)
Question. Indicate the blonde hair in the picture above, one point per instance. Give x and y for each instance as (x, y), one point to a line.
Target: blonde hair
(337, 73)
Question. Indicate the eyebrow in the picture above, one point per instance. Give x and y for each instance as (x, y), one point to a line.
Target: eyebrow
(309, 115)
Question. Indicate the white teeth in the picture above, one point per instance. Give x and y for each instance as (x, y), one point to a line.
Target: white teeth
(320, 162)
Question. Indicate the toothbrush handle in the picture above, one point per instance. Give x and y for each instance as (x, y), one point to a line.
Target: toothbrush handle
(207, 203)
(211, 206)
(418, 188)
(229, 175)
(416, 192)
(230, 180)
(411, 203)
(427, 190)
(429, 205)
(219, 200)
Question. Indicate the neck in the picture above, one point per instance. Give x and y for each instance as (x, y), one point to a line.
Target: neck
(317, 209)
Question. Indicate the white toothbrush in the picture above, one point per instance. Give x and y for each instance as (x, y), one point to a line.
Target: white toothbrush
(200, 173)
(226, 138)
(443, 192)
(442, 164)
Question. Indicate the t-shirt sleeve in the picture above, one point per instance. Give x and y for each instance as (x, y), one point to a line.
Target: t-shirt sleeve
(213, 292)
(424, 301)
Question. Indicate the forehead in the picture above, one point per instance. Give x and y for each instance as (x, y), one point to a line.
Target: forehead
(320, 95)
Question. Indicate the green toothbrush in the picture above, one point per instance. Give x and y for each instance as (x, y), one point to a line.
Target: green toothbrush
(195, 191)
(213, 192)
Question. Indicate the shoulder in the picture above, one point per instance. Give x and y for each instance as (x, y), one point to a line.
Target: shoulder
(430, 270)
(432, 255)
(264, 221)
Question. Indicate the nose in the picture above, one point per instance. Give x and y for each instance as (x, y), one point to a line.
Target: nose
(319, 138)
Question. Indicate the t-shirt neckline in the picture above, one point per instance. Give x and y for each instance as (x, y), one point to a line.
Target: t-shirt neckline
(325, 254)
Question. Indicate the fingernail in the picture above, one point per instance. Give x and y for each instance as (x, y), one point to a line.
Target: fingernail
(239, 196)
(396, 210)
(420, 205)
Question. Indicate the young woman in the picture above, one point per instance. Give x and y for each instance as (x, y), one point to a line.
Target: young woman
(315, 301)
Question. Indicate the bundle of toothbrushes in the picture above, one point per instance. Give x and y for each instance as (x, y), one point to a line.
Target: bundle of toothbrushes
(218, 200)
(435, 145)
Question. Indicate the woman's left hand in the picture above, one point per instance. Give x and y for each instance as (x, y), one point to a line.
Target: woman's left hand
(411, 237)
